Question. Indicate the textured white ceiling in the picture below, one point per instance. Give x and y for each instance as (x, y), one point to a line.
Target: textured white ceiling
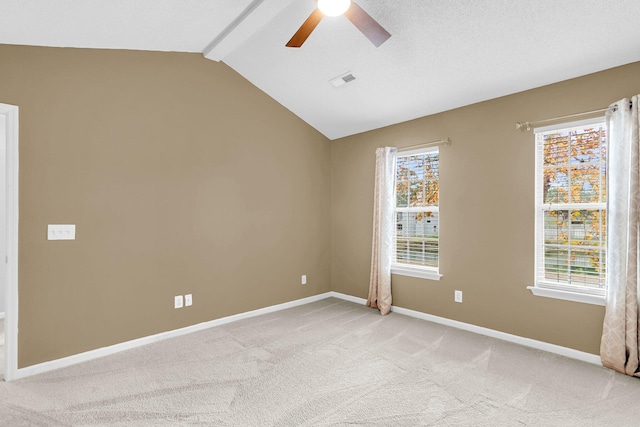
(442, 54)
(166, 25)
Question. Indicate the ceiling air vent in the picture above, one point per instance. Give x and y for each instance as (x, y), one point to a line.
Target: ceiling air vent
(343, 79)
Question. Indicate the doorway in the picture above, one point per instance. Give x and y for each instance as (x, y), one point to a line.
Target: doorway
(9, 234)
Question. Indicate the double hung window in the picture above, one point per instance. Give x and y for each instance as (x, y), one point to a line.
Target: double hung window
(417, 217)
(571, 213)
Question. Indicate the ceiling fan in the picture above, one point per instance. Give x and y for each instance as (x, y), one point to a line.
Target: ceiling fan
(354, 13)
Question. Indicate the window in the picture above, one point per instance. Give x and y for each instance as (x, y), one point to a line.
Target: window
(417, 214)
(571, 214)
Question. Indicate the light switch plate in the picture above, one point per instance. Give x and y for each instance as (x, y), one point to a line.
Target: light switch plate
(188, 300)
(61, 232)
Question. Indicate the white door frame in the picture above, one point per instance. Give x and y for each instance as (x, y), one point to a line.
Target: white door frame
(10, 112)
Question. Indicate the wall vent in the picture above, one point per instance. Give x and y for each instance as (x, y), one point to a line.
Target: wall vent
(342, 79)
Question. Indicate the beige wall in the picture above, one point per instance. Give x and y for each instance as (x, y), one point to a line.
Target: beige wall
(486, 211)
(184, 178)
(181, 178)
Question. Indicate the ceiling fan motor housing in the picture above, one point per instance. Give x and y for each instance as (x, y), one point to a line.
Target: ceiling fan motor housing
(333, 7)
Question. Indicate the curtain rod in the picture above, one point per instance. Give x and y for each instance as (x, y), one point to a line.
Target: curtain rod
(446, 141)
(525, 126)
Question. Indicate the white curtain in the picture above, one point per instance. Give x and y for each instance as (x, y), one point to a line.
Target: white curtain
(382, 241)
(619, 348)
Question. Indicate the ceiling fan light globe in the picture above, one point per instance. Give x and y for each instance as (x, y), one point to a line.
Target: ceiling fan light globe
(333, 7)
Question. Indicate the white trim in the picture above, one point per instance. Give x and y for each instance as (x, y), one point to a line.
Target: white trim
(571, 288)
(346, 297)
(567, 295)
(420, 272)
(406, 153)
(600, 120)
(542, 286)
(418, 209)
(11, 274)
(572, 206)
(527, 342)
(128, 345)
(412, 271)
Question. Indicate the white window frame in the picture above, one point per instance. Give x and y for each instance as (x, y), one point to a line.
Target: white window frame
(411, 270)
(541, 287)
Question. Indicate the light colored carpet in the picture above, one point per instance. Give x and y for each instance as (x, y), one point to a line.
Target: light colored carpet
(327, 363)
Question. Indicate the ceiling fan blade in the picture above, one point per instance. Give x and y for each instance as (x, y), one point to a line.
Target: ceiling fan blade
(305, 29)
(367, 25)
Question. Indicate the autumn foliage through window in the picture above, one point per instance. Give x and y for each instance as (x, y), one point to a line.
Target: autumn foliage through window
(571, 207)
(417, 217)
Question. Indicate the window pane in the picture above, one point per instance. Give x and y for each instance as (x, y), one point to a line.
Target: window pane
(402, 194)
(587, 227)
(603, 180)
(416, 193)
(585, 186)
(416, 168)
(585, 268)
(556, 185)
(431, 179)
(416, 188)
(556, 149)
(556, 263)
(573, 240)
(417, 238)
(575, 227)
(574, 247)
(575, 267)
(574, 166)
(417, 180)
(432, 191)
(402, 168)
(556, 227)
(585, 147)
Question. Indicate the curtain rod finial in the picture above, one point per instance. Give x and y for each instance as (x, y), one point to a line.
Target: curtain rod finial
(523, 126)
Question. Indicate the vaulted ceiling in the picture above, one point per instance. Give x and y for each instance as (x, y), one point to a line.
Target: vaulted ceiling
(441, 55)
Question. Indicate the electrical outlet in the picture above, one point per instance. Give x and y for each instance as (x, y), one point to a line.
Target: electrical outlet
(178, 301)
(61, 232)
(304, 279)
(457, 296)
(188, 300)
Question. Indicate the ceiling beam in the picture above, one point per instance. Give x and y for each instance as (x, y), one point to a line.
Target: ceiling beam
(255, 16)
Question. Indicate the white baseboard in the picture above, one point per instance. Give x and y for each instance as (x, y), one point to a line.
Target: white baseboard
(116, 348)
(346, 297)
(527, 342)
(128, 345)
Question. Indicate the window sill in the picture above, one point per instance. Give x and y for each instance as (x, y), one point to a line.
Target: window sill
(421, 273)
(568, 296)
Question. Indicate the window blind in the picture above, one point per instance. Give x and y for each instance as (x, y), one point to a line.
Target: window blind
(417, 212)
(571, 207)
